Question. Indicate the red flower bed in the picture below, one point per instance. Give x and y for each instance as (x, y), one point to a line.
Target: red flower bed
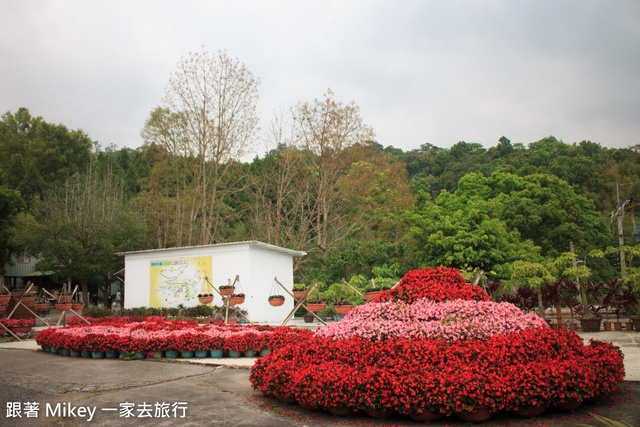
(540, 366)
(382, 366)
(436, 284)
(123, 335)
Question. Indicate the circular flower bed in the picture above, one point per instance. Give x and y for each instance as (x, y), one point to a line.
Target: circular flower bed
(128, 336)
(408, 354)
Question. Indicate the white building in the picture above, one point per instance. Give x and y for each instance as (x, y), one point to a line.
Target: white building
(170, 277)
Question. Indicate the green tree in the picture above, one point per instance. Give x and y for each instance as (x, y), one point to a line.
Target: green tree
(77, 229)
(36, 155)
(10, 205)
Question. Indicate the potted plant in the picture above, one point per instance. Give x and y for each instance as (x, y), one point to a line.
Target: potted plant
(225, 290)
(299, 290)
(237, 299)
(205, 298)
(316, 305)
(276, 300)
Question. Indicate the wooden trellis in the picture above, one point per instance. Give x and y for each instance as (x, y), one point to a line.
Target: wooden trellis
(20, 303)
(299, 302)
(227, 298)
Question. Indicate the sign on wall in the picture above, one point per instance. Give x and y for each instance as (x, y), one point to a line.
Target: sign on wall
(178, 281)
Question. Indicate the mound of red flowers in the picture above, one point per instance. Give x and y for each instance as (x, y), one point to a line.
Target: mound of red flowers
(427, 378)
(437, 284)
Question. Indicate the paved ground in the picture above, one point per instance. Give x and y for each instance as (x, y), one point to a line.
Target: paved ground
(171, 393)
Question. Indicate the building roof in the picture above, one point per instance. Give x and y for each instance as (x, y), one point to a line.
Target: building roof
(254, 243)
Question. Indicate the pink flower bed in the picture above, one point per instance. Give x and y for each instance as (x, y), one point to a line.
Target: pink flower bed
(160, 334)
(452, 320)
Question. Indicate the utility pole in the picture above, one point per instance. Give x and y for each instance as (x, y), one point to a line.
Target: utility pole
(620, 212)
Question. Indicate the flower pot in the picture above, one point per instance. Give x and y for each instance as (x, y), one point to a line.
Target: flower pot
(340, 411)
(63, 307)
(628, 326)
(140, 355)
(343, 308)
(97, 354)
(636, 323)
(264, 352)
(316, 307)
(4, 299)
(426, 416)
(85, 354)
(187, 354)
(299, 294)
(370, 296)
(286, 399)
(171, 354)
(201, 354)
(308, 406)
(569, 404)
(157, 354)
(20, 329)
(607, 326)
(66, 352)
(276, 302)
(16, 294)
(232, 321)
(617, 326)
(530, 411)
(478, 416)
(591, 324)
(206, 300)
(573, 326)
(236, 300)
(29, 301)
(234, 354)
(308, 318)
(77, 307)
(45, 348)
(249, 353)
(216, 354)
(225, 292)
(562, 326)
(111, 355)
(378, 412)
(42, 307)
(54, 350)
(74, 353)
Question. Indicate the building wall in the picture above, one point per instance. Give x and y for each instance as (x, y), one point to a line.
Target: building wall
(255, 266)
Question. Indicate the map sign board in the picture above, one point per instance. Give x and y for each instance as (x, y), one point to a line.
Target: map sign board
(178, 281)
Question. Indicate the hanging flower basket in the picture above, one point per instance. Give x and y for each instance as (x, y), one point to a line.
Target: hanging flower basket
(16, 294)
(29, 301)
(64, 299)
(63, 306)
(224, 290)
(276, 300)
(77, 306)
(316, 307)
(343, 308)
(370, 296)
(237, 299)
(4, 299)
(205, 298)
(42, 306)
(298, 294)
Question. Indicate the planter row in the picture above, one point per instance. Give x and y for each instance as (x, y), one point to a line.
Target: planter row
(169, 354)
(162, 335)
(427, 416)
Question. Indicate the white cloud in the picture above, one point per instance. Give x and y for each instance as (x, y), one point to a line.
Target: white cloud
(421, 71)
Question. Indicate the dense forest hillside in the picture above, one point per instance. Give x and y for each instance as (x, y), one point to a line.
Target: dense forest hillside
(359, 209)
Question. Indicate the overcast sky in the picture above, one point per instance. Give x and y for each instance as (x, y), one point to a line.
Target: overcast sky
(434, 72)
